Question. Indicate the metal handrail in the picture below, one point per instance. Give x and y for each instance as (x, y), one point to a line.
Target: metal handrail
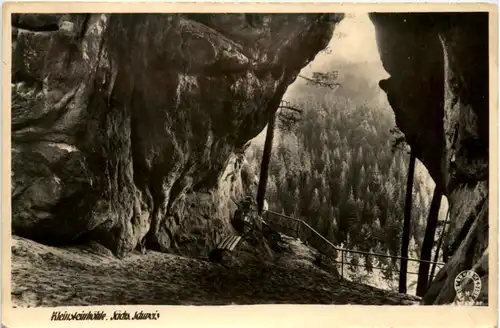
(342, 250)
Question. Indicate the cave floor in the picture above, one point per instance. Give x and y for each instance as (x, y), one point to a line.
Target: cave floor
(48, 276)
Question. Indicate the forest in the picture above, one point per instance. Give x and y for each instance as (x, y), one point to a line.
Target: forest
(339, 168)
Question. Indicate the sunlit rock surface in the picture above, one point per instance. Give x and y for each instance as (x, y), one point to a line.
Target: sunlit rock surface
(128, 129)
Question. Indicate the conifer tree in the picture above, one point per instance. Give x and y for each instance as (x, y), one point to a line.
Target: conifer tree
(406, 226)
(425, 254)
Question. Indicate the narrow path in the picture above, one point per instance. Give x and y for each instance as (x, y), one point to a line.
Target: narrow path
(48, 276)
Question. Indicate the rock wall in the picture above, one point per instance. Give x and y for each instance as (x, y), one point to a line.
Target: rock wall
(438, 89)
(126, 129)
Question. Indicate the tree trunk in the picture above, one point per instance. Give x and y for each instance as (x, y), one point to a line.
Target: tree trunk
(426, 251)
(436, 256)
(264, 167)
(406, 226)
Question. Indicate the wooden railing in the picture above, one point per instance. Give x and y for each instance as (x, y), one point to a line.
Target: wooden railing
(343, 251)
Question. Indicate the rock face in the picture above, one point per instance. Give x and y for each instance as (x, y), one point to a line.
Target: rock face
(128, 129)
(438, 88)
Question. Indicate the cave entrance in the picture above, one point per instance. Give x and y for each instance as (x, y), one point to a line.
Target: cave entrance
(335, 165)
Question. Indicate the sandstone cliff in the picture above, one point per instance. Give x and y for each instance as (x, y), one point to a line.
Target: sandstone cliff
(126, 129)
(438, 89)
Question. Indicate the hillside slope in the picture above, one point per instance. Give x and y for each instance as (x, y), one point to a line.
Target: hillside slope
(49, 276)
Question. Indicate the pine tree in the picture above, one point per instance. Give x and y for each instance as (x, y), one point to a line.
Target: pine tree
(406, 226)
(425, 254)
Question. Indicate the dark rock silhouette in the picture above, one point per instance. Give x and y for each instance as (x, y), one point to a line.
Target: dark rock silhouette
(438, 89)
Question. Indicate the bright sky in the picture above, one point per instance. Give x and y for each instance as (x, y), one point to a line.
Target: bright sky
(353, 41)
